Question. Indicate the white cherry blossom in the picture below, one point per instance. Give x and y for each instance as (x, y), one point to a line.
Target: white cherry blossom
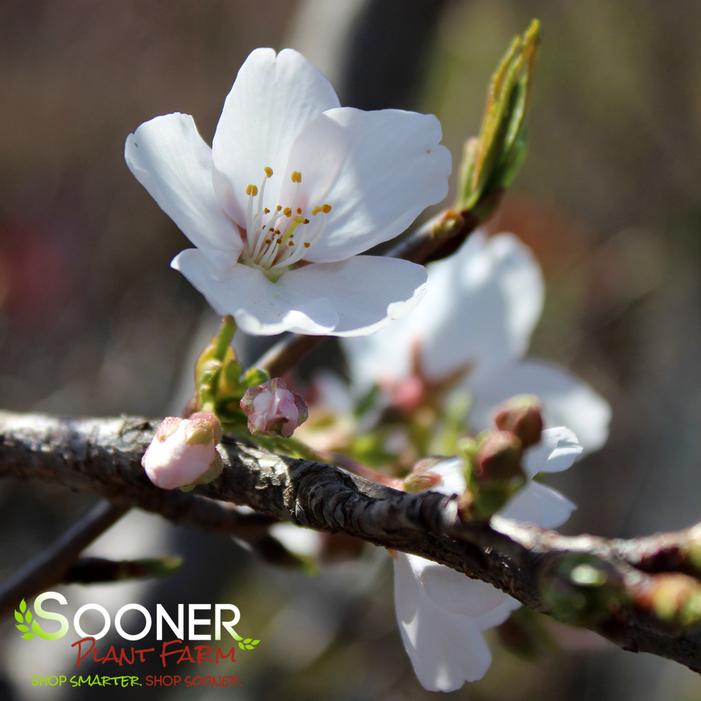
(292, 190)
(480, 309)
(441, 613)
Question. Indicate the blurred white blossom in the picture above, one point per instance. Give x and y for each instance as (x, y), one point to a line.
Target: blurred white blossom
(442, 613)
(472, 330)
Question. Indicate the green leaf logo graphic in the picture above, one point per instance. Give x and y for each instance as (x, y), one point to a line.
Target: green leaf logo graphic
(246, 643)
(23, 618)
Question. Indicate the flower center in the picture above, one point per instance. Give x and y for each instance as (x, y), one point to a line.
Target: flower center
(279, 237)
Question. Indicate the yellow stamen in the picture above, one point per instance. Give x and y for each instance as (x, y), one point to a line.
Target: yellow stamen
(268, 172)
(296, 176)
(251, 190)
(288, 212)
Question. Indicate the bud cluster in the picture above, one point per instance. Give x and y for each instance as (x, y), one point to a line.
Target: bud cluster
(495, 459)
(673, 598)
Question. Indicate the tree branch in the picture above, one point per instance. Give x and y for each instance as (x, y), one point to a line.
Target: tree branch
(102, 456)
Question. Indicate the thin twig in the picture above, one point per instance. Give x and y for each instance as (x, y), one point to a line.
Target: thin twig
(50, 565)
(93, 570)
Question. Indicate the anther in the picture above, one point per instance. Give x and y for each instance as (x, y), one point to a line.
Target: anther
(296, 176)
(251, 190)
(268, 172)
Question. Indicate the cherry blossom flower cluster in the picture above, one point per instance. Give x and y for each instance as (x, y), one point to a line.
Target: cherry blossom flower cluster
(280, 210)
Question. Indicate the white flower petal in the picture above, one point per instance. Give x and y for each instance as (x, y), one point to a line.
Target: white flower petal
(538, 505)
(259, 306)
(566, 400)
(455, 591)
(452, 472)
(445, 649)
(384, 355)
(557, 451)
(273, 98)
(498, 615)
(169, 158)
(378, 170)
(365, 291)
(481, 306)
(332, 393)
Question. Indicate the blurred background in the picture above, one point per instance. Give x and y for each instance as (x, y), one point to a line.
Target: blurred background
(93, 321)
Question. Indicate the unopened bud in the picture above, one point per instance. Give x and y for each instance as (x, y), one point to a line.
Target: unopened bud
(692, 551)
(481, 501)
(675, 599)
(521, 416)
(203, 428)
(582, 589)
(417, 482)
(409, 393)
(498, 457)
(183, 452)
(494, 474)
(273, 408)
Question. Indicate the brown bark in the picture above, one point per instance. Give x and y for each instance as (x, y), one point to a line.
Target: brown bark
(103, 456)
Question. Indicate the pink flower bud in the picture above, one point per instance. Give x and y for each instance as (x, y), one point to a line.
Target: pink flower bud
(272, 408)
(409, 393)
(183, 452)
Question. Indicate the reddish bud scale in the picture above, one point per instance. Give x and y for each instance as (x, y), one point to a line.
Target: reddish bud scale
(674, 598)
(499, 457)
(521, 416)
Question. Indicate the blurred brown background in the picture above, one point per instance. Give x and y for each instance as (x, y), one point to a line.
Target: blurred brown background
(93, 321)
